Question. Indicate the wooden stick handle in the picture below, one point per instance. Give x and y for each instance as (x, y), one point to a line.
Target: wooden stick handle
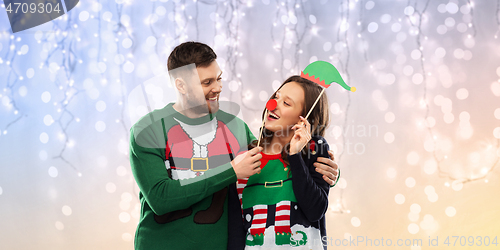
(262, 127)
(314, 105)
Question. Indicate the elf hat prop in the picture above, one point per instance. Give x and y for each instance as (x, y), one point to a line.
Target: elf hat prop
(324, 74)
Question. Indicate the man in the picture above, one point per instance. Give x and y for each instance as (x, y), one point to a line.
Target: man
(187, 156)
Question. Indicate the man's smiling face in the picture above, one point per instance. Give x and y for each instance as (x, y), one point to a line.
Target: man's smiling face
(203, 88)
(211, 83)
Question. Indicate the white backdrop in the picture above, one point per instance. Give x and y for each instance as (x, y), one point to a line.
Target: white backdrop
(418, 142)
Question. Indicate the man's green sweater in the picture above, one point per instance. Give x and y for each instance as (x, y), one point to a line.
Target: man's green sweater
(182, 167)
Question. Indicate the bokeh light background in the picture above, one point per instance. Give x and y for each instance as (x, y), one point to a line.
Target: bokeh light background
(418, 142)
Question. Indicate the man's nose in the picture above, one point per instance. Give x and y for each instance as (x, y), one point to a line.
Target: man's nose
(217, 88)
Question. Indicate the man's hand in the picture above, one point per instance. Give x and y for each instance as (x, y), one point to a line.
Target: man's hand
(328, 168)
(247, 164)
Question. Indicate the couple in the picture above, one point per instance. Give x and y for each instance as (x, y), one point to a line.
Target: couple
(201, 187)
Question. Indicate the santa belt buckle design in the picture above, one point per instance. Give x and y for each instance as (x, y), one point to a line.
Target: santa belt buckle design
(199, 164)
(273, 184)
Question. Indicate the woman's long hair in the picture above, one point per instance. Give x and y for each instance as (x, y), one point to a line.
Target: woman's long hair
(319, 117)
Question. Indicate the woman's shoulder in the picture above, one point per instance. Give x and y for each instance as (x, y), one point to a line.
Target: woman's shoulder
(319, 139)
(318, 147)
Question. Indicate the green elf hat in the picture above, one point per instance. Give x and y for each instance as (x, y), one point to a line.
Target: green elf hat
(324, 74)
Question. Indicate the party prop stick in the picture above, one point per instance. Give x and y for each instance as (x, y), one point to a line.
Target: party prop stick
(315, 102)
(261, 127)
(270, 105)
(322, 72)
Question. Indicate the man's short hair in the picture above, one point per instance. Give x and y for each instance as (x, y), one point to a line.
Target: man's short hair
(191, 52)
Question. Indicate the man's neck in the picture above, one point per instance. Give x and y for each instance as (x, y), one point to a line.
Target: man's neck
(187, 112)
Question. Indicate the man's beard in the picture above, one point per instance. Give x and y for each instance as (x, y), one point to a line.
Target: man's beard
(213, 107)
(204, 107)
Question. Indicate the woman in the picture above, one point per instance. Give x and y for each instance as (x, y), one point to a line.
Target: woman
(284, 205)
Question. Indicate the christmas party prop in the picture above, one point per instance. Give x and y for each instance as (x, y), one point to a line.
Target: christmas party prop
(270, 106)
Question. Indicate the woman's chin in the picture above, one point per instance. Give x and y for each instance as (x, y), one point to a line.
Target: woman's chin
(270, 128)
(278, 129)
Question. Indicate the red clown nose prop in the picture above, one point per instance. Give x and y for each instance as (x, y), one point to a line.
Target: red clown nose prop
(271, 104)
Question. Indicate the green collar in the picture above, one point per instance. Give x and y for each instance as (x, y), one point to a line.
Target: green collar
(191, 121)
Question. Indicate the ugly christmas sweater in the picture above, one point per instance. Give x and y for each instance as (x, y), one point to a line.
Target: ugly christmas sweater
(284, 205)
(183, 170)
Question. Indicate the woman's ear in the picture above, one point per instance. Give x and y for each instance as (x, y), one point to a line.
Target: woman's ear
(180, 85)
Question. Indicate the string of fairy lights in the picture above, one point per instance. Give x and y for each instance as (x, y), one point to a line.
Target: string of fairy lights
(344, 64)
(56, 44)
(470, 5)
(416, 19)
(497, 15)
(340, 206)
(11, 80)
(362, 28)
(299, 35)
(65, 85)
(118, 29)
(229, 15)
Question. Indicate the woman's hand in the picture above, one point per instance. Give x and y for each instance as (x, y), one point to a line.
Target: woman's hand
(301, 136)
